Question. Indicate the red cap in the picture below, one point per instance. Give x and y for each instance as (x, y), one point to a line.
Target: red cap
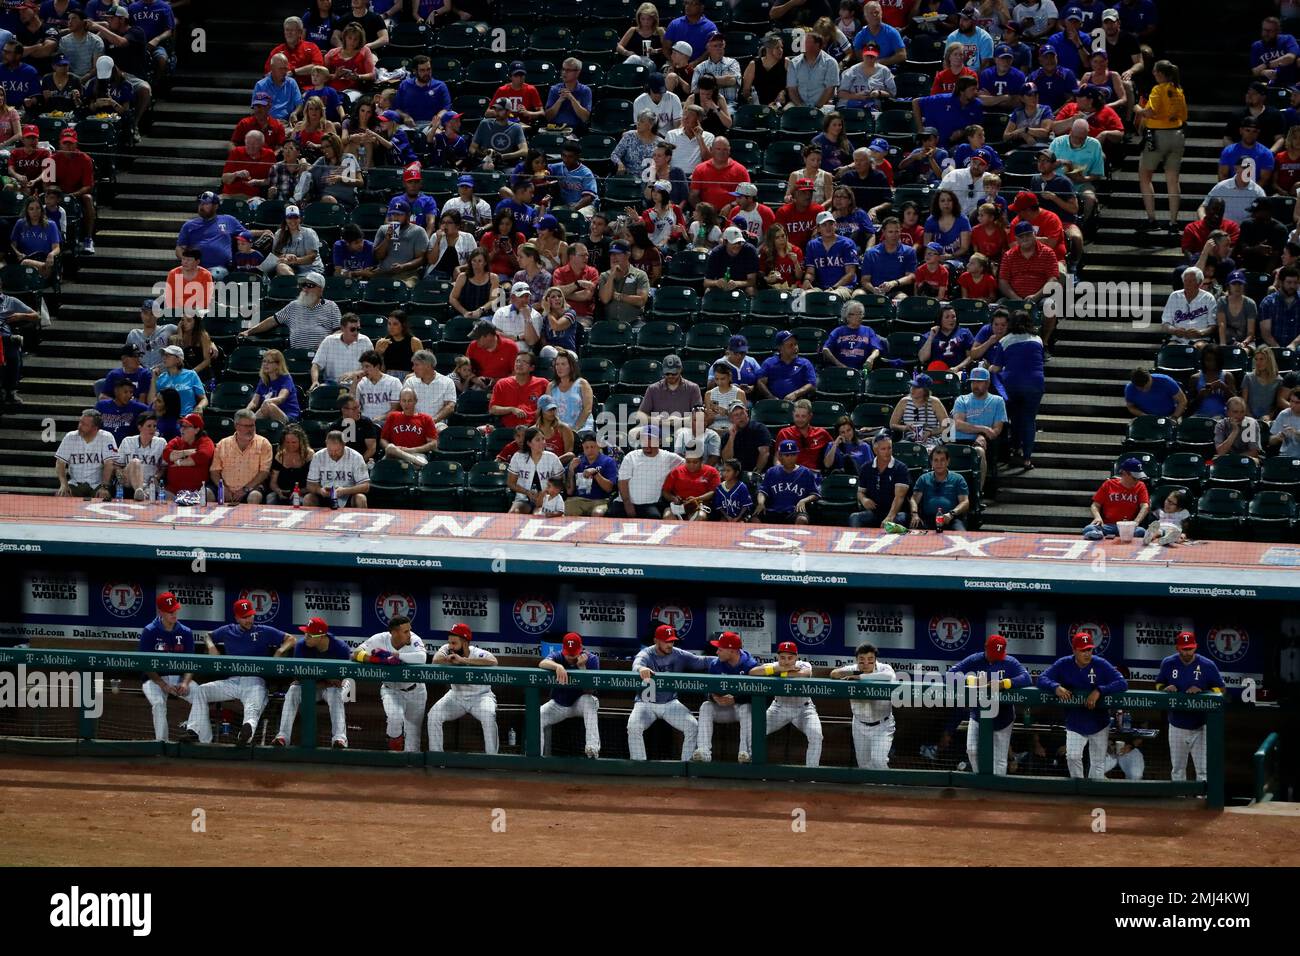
(68, 136)
(30, 130)
(665, 632)
(315, 627)
(572, 644)
(462, 630)
(1186, 640)
(412, 172)
(244, 608)
(171, 603)
(995, 648)
(1024, 200)
(803, 184)
(728, 640)
(194, 419)
(787, 647)
(1083, 641)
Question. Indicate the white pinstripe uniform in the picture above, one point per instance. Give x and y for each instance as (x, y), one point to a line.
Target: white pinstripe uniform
(801, 712)
(333, 697)
(249, 691)
(1203, 673)
(873, 723)
(477, 700)
(713, 713)
(665, 706)
(403, 703)
(585, 705)
(158, 701)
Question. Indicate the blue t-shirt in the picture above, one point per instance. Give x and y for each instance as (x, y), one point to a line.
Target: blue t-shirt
(319, 29)
(423, 206)
(888, 39)
(422, 103)
(258, 641)
(525, 216)
(785, 489)
(936, 494)
(1100, 675)
(1234, 154)
(566, 695)
(1136, 17)
(19, 83)
(857, 227)
(34, 239)
(880, 265)
(336, 650)
(213, 238)
(566, 115)
(1022, 362)
(945, 113)
(329, 98)
(962, 154)
(153, 18)
(987, 412)
(920, 170)
(119, 420)
(608, 469)
(949, 238)
(1006, 669)
(141, 378)
(734, 503)
(187, 384)
(345, 258)
(1157, 400)
(1067, 55)
(951, 347)
(572, 183)
(784, 377)
(1054, 88)
(290, 405)
(696, 34)
(1260, 52)
(1009, 83)
(852, 346)
(1202, 673)
(748, 372)
(853, 458)
(830, 265)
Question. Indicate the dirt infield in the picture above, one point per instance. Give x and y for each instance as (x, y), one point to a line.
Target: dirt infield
(56, 811)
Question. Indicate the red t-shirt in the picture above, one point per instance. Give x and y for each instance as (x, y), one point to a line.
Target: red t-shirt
(193, 476)
(1047, 226)
(715, 185)
(182, 295)
(1028, 276)
(989, 244)
(765, 217)
(811, 446)
(986, 288)
(1197, 234)
(945, 81)
(28, 162)
(799, 226)
(789, 266)
(499, 363)
(894, 12)
(363, 61)
(1286, 171)
(1100, 121)
(507, 392)
(409, 431)
(685, 484)
(565, 275)
(929, 281)
(912, 235)
(1118, 503)
(304, 53)
(73, 171)
(498, 257)
(257, 169)
(525, 98)
(273, 131)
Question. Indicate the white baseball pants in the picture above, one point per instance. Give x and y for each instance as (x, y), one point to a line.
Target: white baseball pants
(587, 706)
(1183, 743)
(1001, 747)
(157, 699)
(1132, 764)
(711, 713)
(249, 691)
(872, 743)
(404, 713)
(804, 717)
(333, 696)
(1096, 744)
(452, 706)
(674, 712)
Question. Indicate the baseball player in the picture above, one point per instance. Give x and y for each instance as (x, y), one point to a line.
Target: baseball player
(1187, 672)
(461, 699)
(660, 658)
(799, 711)
(1089, 725)
(995, 666)
(244, 638)
(732, 658)
(873, 720)
(317, 643)
(567, 701)
(165, 634)
(403, 703)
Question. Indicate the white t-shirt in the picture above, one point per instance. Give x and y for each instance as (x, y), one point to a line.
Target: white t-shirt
(1041, 14)
(1200, 314)
(430, 397)
(686, 150)
(533, 475)
(873, 710)
(413, 652)
(668, 110)
(149, 457)
(476, 212)
(552, 505)
(336, 359)
(510, 321)
(86, 459)
(645, 475)
(724, 400)
(468, 690)
(344, 473)
(377, 399)
(711, 441)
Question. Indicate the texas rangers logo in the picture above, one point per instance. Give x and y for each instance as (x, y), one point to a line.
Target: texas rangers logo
(1228, 644)
(391, 604)
(1100, 633)
(266, 602)
(122, 598)
(949, 633)
(810, 626)
(674, 615)
(534, 615)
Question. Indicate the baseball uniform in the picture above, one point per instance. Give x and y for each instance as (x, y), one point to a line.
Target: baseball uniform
(403, 703)
(665, 705)
(569, 701)
(156, 639)
(740, 712)
(799, 711)
(256, 641)
(994, 672)
(1083, 727)
(873, 722)
(333, 696)
(477, 700)
(1187, 728)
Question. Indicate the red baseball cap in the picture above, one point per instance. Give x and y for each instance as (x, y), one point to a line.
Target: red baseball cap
(995, 648)
(30, 130)
(68, 135)
(411, 172)
(1186, 640)
(803, 184)
(1024, 200)
(244, 608)
(315, 626)
(787, 647)
(462, 630)
(1082, 641)
(665, 632)
(572, 643)
(194, 420)
(168, 602)
(728, 640)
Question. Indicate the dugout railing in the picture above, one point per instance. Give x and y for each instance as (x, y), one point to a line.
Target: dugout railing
(93, 666)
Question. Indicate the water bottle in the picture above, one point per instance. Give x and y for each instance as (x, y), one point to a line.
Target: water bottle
(119, 492)
(296, 498)
(513, 737)
(212, 384)
(1128, 720)
(225, 723)
(162, 493)
(940, 519)
(221, 491)
(334, 498)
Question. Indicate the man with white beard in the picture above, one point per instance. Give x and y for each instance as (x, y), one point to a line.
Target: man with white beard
(310, 317)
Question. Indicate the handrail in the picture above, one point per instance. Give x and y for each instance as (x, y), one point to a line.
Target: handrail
(1269, 747)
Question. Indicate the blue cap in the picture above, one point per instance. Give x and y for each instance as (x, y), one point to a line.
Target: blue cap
(1023, 227)
(739, 344)
(782, 336)
(1237, 275)
(880, 144)
(980, 374)
(1074, 13)
(655, 82)
(261, 99)
(517, 67)
(391, 115)
(1045, 49)
(466, 181)
(935, 247)
(618, 247)
(1003, 50)
(398, 204)
(148, 305)
(922, 381)
(547, 222)
(208, 197)
(1029, 88)
(1133, 466)
(787, 447)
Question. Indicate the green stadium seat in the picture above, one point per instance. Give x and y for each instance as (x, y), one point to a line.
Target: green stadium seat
(761, 339)
(825, 414)
(1186, 468)
(903, 346)
(773, 412)
(870, 416)
(1195, 433)
(608, 339)
(230, 397)
(887, 383)
(657, 339)
(472, 408)
(1220, 515)
(601, 374)
(441, 486)
(1234, 471)
(706, 340)
(917, 313)
(838, 501)
(460, 443)
(1150, 433)
(1280, 474)
(638, 374)
(675, 303)
(1271, 516)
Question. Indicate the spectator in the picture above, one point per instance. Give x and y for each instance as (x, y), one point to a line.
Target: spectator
(1273, 55)
(1030, 123)
(671, 396)
(28, 161)
(953, 66)
(1071, 45)
(499, 139)
(888, 41)
(149, 339)
(831, 260)
(399, 345)
(1048, 229)
(85, 460)
(338, 356)
(812, 78)
(780, 263)
(641, 477)
(351, 63)
(786, 375)
(212, 234)
(745, 368)
(1237, 433)
(716, 180)
(139, 459)
(1104, 123)
(888, 266)
(965, 187)
(1002, 86)
(810, 440)
(289, 466)
(1190, 315)
(690, 486)
(1212, 386)
(977, 44)
(978, 281)
(34, 240)
(624, 289)
(1029, 269)
(870, 186)
(1122, 498)
(423, 99)
(260, 120)
(575, 182)
(883, 488)
(846, 453)
(118, 414)
(1212, 220)
(690, 142)
(21, 81)
(1055, 83)
(851, 222)
(947, 225)
(408, 434)
(492, 355)
(940, 492)
(519, 320)
(787, 489)
(74, 173)
(1262, 238)
(692, 27)
(393, 144)
(375, 31)
(852, 344)
(60, 90)
(285, 94)
(131, 370)
(1021, 356)
(723, 69)
(300, 53)
(798, 217)
(1237, 194)
(185, 381)
(400, 245)
(80, 46)
(867, 85)
(188, 458)
(275, 397)
(310, 317)
(767, 74)
(1263, 390)
(531, 273)
(980, 417)
(337, 474)
(1285, 433)
(514, 398)
(1149, 393)
(1237, 313)
(360, 433)
(578, 280)
(450, 249)
(568, 103)
(747, 441)
(950, 113)
(919, 416)
(592, 479)
(732, 502)
(664, 106)
(724, 393)
(947, 343)
(1248, 149)
(435, 394)
(1079, 156)
(241, 463)
(376, 391)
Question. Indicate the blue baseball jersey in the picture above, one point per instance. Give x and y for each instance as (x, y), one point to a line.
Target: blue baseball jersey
(1282, 45)
(566, 695)
(422, 206)
(156, 639)
(830, 265)
(852, 346)
(257, 641)
(213, 238)
(345, 258)
(1006, 669)
(677, 661)
(1234, 154)
(1201, 672)
(784, 489)
(880, 265)
(746, 663)
(734, 503)
(1100, 674)
(1054, 89)
(945, 112)
(525, 216)
(784, 377)
(1010, 83)
(153, 18)
(422, 103)
(329, 98)
(335, 651)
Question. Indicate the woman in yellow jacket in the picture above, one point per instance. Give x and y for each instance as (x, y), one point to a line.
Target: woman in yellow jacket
(1164, 115)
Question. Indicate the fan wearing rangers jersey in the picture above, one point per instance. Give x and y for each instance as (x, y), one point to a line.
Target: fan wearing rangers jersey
(318, 643)
(477, 700)
(569, 701)
(995, 666)
(660, 658)
(799, 711)
(244, 638)
(403, 703)
(1088, 725)
(165, 634)
(732, 658)
(873, 720)
(1187, 672)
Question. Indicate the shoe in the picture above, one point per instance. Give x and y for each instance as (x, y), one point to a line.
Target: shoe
(592, 752)
(13, 399)
(245, 735)
(88, 247)
(742, 757)
(188, 736)
(1147, 225)
(1174, 229)
(279, 741)
(698, 757)
(1029, 465)
(339, 744)
(397, 743)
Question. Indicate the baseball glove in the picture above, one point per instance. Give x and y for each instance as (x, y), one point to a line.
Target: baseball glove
(384, 657)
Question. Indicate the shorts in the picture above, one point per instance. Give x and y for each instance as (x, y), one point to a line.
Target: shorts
(583, 507)
(1163, 147)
